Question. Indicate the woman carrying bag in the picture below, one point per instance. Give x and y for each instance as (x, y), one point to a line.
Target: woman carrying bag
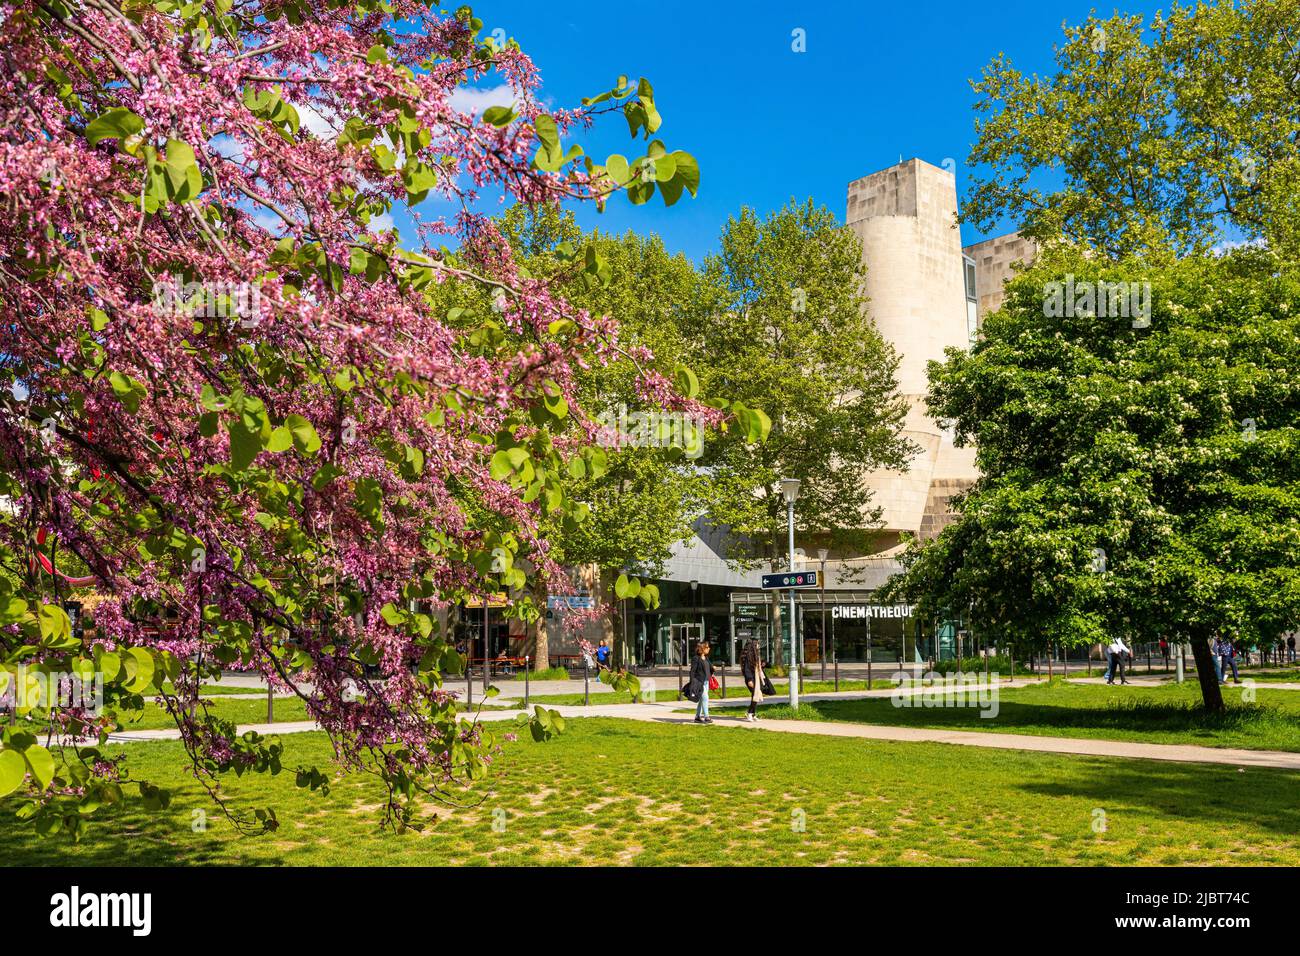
(751, 668)
(697, 689)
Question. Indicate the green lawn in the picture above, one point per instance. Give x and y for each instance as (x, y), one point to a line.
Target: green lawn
(1167, 715)
(240, 711)
(615, 792)
(218, 690)
(1268, 675)
(1284, 676)
(287, 710)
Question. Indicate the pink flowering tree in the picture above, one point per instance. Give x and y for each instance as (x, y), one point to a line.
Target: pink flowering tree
(232, 403)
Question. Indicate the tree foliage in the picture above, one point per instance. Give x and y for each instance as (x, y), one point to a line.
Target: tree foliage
(1138, 480)
(1157, 137)
(235, 404)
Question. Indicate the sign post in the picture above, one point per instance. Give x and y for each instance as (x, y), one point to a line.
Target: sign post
(790, 579)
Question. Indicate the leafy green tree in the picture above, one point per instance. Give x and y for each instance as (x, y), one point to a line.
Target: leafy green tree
(783, 326)
(645, 492)
(1160, 137)
(1139, 475)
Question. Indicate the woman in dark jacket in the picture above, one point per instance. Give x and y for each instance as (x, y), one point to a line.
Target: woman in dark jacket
(751, 668)
(698, 687)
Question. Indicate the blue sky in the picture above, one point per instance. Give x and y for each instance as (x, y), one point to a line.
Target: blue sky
(877, 81)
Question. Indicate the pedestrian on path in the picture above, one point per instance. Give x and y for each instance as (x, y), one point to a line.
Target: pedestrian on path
(697, 689)
(751, 668)
(1290, 648)
(1115, 657)
(1227, 658)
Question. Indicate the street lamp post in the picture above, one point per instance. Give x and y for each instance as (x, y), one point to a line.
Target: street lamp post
(790, 489)
(822, 554)
(695, 606)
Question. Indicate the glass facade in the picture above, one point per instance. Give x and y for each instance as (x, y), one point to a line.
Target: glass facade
(667, 635)
(850, 626)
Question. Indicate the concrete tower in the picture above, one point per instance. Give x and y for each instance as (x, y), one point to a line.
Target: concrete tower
(906, 218)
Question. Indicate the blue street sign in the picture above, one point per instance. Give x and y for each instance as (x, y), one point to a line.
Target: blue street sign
(790, 579)
(570, 602)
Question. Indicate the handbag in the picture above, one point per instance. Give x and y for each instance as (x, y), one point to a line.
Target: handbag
(768, 689)
(713, 683)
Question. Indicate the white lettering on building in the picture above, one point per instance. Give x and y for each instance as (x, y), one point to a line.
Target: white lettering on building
(862, 611)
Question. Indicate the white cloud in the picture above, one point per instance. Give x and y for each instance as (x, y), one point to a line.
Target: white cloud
(317, 123)
(474, 101)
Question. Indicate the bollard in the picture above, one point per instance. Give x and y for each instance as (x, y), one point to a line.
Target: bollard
(469, 684)
(1180, 663)
(723, 668)
(586, 689)
(837, 673)
(525, 682)
(270, 704)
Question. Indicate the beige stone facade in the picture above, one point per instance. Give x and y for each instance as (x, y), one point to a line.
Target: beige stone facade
(995, 260)
(918, 297)
(906, 218)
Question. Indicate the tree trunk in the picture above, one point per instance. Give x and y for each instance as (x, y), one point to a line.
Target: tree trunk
(611, 622)
(538, 644)
(1211, 693)
(624, 655)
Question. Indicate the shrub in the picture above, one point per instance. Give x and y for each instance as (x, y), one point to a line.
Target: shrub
(544, 673)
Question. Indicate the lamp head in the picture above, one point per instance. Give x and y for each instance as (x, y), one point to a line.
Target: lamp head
(790, 489)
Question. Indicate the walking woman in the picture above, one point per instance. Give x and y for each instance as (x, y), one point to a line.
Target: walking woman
(698, 687)
(751, 667)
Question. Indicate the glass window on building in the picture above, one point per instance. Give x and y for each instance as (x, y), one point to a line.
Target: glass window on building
(972, 301)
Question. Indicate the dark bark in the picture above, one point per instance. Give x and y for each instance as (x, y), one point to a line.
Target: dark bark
(1211, 693)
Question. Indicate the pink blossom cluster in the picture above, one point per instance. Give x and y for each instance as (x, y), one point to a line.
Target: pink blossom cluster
(108, 444)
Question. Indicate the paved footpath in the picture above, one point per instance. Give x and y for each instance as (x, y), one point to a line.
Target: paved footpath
(667, 712)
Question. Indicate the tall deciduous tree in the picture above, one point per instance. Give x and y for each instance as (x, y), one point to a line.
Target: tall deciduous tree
(1153, 137)
(648, 491)
(1136, 478)
(232, 393)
